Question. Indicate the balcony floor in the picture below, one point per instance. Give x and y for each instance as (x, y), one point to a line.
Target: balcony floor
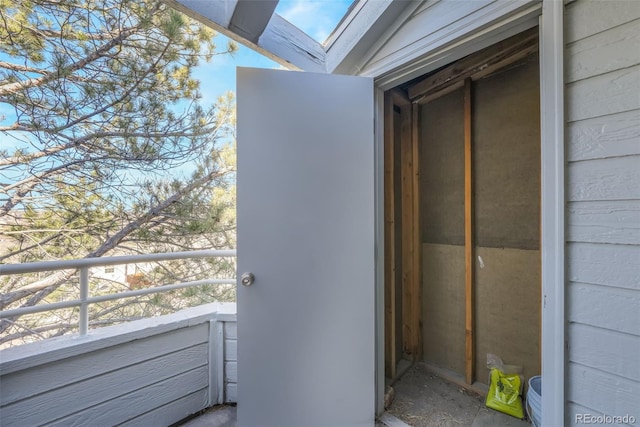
(223, 416)
(218, 416)
(422, 399)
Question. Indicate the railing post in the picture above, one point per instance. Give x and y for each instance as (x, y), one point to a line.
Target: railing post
(84, 306)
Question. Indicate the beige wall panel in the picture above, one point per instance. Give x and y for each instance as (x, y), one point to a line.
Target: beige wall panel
(506, 153)
(442, 169)
(507, 308)
(443, 306)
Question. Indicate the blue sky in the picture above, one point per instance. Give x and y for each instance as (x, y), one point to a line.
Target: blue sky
(315, 17)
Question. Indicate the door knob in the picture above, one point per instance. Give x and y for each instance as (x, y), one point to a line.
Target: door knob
(247, 279)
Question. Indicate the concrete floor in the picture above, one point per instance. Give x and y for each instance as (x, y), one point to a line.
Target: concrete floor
(422, 399)
(217, 416)
(222, 416)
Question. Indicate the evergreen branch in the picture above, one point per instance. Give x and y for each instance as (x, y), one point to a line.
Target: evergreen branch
(11, 88)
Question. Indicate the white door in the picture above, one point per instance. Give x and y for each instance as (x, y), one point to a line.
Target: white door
(306, 233)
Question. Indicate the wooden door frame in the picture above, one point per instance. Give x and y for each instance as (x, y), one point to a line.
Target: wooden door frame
(421, 91)
(550, 19)
(410, 231)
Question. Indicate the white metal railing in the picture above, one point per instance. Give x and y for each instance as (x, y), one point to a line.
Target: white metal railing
(85, 264)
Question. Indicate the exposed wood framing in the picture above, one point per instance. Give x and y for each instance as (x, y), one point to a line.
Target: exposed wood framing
(408, 294)
(410, 235)
(416, 282)
(437, 94)
(477, 65)
(417, 233)
(468, 236)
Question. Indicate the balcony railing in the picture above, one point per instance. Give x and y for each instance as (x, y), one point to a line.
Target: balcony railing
(84, 264)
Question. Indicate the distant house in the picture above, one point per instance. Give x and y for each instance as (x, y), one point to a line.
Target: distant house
(132, 275)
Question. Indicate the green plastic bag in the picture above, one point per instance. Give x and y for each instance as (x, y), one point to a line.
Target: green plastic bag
(504, 388)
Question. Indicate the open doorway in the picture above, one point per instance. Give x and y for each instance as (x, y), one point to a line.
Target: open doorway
(462, 226)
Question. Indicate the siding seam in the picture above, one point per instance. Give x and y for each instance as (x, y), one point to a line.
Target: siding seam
(589, 241)
(593, 410)
(604, 115)
(569, 44)
(568, 83)
(612, 331)
(85, 408)
(602, 200)
(600, 285)
(158, 407)
(603, 158)
(92, 378)
(614, 376)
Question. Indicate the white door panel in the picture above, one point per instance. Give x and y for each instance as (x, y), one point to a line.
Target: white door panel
(306, 232)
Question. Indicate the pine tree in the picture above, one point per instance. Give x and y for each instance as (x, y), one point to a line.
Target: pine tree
(105, 147)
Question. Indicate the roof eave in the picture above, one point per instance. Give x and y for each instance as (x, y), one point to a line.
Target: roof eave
(367, 25)
(258, 28)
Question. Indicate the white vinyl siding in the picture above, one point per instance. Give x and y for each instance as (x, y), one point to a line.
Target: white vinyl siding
(602, 75)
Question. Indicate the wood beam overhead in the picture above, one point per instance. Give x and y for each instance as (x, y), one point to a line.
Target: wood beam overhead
(257, 27)
(250, 18)
(284, 40)
(477, 65)
(254, 24)
(217, 12)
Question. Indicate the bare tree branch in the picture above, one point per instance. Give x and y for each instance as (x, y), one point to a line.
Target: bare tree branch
(58, 278)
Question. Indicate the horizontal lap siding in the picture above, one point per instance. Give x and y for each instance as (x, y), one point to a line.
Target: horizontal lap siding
(146, 399)
(105, 387)
(615, 135)
(604, 94)
(602, 71)
(614, 221)
(604, 265)
(591, 305)
(157, 379)
(89, 365)
(178, 409)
